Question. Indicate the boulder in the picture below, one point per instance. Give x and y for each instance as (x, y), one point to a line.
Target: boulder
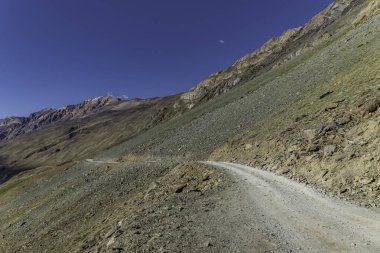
(311, 134)
(329, 150)
(366, 181)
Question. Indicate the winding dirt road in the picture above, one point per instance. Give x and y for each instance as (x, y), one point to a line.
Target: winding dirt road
(306, 219)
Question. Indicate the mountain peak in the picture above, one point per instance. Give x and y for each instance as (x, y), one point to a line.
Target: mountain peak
(104, 99)
(12, 127)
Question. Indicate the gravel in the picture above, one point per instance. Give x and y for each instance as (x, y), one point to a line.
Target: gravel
(305, 219)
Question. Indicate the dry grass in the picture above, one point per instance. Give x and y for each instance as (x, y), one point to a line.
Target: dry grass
(372, 8)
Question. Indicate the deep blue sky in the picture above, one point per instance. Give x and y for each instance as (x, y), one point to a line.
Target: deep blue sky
(58, 52)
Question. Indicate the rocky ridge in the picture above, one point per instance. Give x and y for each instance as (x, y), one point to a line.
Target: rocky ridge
(15, 126)
(329, 137)
(273, 53)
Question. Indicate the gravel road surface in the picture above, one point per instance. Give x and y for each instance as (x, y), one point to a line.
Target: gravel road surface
(307, 220)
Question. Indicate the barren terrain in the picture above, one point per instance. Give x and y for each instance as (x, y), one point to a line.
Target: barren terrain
(304, 218)
(301, 113)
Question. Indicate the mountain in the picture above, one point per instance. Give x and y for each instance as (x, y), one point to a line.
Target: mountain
(55, 136)
(15, 126)
(124, 176)
(276, 51)
(273, 53)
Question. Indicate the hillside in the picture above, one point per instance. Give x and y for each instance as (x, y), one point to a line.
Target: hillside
(123, 176)
(275, 54)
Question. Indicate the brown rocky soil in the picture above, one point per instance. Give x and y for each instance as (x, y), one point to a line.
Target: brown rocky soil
(336, 148)
(149, 208)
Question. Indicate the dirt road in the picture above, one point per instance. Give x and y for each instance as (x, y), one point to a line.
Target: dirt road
(307, 220)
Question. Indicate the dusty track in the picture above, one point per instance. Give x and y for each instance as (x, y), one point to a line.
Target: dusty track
(307, 220)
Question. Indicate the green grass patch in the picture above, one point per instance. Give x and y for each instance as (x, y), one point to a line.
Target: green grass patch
(11, 185)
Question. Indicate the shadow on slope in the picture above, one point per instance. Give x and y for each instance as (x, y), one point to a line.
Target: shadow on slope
(7, 172)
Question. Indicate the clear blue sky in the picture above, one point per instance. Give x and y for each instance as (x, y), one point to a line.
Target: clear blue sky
(58, 52)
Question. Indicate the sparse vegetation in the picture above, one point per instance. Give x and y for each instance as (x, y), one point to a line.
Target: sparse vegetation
(128, 180)
(372, 8)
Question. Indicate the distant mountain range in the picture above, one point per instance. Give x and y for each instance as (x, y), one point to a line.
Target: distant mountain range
(12, 127)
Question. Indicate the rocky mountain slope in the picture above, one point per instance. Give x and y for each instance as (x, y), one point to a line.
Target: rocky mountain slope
(273, 53)
(15, 126)
(79, 131)
(276, 51)
(127, 178)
